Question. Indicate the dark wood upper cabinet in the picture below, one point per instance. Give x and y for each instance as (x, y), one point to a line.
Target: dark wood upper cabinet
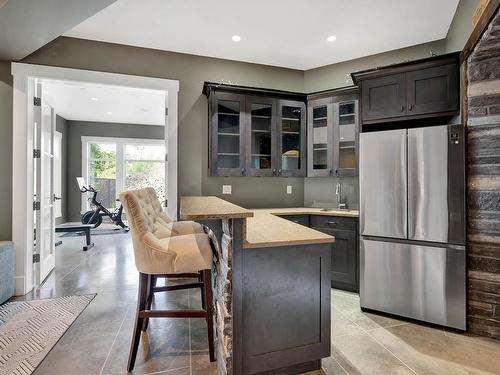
(333, 133)
(345, 136)
(261, 158)
(411, 90)
(320, 137)
(227, 134)
(256, 132)
(432, 90)
(383, 97)
(291, 150)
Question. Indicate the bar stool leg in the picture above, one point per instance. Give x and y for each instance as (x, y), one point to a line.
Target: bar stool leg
(203, 302)
(141, 304)
(207, 290)
(149, 299)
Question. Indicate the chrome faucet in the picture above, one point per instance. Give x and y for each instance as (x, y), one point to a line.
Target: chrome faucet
(338, 193)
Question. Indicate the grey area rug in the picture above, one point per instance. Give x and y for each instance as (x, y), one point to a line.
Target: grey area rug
(29, 330)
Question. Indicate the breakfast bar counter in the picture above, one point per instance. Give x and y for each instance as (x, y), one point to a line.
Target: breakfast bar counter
(271, 289)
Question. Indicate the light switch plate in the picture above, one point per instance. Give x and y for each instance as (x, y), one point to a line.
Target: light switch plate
(226, 189)
(289, 189)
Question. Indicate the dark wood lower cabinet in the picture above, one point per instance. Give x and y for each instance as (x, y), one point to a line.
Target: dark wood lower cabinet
(345, 259)
(345, 250)
(285, 309)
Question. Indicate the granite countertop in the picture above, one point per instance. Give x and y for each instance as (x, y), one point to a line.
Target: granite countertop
(263, 228)
(309, 211)
(210, 207)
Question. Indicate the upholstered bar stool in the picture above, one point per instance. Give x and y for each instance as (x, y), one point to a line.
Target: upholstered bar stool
(164, 225)
(158, 255)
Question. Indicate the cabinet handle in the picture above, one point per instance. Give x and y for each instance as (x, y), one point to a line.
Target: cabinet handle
(242, 171)
(410, 107)
(332, 223)
(402, 108)
(274, 171)
(279, 171)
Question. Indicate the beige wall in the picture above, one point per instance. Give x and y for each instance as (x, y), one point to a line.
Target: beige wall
(338, 75)
(461, 26)
(191, 71)
(5, 151)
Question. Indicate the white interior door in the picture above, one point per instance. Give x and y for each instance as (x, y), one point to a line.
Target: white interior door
(44, 127)
(57, 174)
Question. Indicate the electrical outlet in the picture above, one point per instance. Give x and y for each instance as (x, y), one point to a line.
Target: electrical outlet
(289, 189)
(226, 189)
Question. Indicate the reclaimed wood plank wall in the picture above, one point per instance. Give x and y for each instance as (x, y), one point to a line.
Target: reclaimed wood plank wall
(483, 159)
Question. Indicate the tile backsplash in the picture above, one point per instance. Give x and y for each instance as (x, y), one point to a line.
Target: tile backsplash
(320, 192)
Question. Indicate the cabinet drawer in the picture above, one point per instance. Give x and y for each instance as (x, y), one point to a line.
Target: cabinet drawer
(333, 222)
(299, 219)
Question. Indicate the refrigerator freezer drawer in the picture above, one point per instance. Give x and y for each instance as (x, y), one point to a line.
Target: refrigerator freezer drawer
(422, 282)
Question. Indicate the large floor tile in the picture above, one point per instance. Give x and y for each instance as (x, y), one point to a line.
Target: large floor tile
(330, 366)
(341, 326)
(360, 354)
(429, 351)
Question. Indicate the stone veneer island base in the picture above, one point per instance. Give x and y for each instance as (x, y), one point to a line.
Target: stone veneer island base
(271, 290)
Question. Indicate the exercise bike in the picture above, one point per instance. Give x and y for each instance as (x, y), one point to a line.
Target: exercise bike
(98, 211)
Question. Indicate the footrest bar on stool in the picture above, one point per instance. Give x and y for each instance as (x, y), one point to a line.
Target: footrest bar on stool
(176, 287)
(172, 314)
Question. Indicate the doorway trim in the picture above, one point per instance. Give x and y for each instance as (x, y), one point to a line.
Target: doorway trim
(22, 175)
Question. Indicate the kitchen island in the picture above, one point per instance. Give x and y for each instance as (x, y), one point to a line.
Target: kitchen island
(271, 289)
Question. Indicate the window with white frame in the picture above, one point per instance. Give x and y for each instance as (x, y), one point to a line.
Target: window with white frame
(113, 165)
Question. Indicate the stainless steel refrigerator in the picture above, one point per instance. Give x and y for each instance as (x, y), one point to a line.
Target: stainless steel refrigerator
(412, 223)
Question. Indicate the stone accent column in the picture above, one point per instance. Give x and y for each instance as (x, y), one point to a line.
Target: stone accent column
(223, 300)
(483, 184)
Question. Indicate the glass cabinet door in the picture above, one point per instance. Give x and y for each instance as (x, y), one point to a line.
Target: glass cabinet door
(261, 135)
(227, 137)
(346, 114)
(320, 137)
(291, 139)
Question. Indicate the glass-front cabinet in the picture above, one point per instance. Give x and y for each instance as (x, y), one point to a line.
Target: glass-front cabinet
(227, 135)
(256, 133)
(345, 137)
(261, 133)
(271, 133)
(291, 138)
(320, 120)
(333, 134)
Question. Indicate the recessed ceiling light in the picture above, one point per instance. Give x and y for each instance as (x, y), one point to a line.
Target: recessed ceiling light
(94, 99)
(108, 113)
(236, 38)
(331, 38)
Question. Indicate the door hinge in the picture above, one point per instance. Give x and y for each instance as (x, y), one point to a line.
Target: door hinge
(37, 153)
(166, 111)
(36, 258)
(37, 102)
(36, 206)
(166, 157)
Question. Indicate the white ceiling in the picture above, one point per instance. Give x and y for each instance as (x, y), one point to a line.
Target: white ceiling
(104, 103)
(287, 33)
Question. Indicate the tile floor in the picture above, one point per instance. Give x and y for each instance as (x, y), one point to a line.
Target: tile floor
(98, 342)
